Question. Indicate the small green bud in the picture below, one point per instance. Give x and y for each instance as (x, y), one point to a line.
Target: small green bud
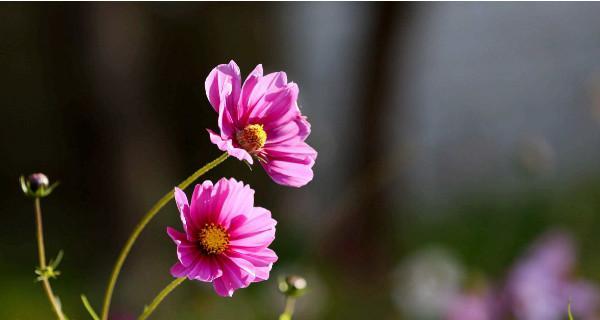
(36, 185)
(294, 286)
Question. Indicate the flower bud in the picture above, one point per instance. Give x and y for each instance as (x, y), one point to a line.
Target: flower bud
(37, 185)
(293, 285)
(38, 181)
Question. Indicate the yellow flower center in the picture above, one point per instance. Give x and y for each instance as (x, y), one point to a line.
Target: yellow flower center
(252, 137)
(214, 239)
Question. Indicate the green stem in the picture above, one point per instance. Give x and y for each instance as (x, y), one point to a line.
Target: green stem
(142, 224)
(159, 298)
(89, 308)
(42, 257)
(288, 312)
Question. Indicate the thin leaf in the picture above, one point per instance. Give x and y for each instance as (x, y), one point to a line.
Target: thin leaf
(89, 308)
(247, 164)
(24, 186)
(54, 263)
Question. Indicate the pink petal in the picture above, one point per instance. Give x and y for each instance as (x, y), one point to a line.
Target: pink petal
(227, 146)
(259, 257)
(200, 210)
(262, 259)
(226, 122)
(223, 86)
(206, 269)
(258, 87)
(221, 289)
(262, 273)
(262, 239)
(258, 220)
(238, 201)
(184, 211)
(237, 273)
(187, 251)
(180, 199)
(176, 235)
(178, 270)
(224, 81)
(247, 89)
(218, 196)
(276, 107)
(290, 165)
(290, 132)
(260, 234)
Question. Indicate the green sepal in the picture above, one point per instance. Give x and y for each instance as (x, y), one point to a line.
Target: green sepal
(50, 272)
(247, 164)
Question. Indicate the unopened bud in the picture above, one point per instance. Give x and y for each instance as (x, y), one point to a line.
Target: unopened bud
(292, 285)
(38, 181)
(37, 185)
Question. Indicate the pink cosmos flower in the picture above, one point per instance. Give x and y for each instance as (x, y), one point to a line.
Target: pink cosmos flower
(226, 236)
(471, 306)
(260, 118)
(542, 282)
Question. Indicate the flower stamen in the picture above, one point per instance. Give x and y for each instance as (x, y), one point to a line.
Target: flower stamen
(252, 138)
(214, 239)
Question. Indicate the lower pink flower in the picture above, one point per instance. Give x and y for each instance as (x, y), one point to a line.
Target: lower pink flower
(226, 237)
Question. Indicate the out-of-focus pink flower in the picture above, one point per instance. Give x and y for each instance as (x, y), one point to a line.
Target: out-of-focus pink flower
(471, 306)
(541, 285)
(260, 118)
(226, 237)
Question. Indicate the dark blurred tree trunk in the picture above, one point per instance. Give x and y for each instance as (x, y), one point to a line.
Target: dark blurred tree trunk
(365, 228)
(66, 73)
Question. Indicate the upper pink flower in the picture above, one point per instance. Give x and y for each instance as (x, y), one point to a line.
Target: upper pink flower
(261, 118)
(226, 237)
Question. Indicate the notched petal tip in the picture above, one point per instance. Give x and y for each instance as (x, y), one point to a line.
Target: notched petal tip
(176, 235)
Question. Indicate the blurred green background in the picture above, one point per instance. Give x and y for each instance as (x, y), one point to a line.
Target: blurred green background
(464, 126)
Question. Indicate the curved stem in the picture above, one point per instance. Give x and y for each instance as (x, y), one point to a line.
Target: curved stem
(142, 224)
(288, 312)
(42, 257)
(88, 307)
(159, 298)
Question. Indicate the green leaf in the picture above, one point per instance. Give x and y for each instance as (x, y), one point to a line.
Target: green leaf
(54, 262)
(89, 308)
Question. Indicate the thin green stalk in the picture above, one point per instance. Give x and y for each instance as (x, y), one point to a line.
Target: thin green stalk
(89, 308)
(288, 312)
(569, 311)
(142, 224)
(159, 298)
(42, 257)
